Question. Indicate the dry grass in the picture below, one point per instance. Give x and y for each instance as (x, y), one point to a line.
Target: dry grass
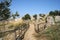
(51, 33)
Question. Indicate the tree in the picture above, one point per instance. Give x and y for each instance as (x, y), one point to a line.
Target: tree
(42, 15)
(15, 15)
(54, 13)
(35, 16)
(26, 17)
(4, 10)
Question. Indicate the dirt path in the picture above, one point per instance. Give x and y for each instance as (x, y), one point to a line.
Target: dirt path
(29, 34)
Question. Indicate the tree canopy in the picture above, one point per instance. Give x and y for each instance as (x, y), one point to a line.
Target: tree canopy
(15, 15)
(35, 16)
(5, 10)
(26, 17)
(54, 13)
(42, 15)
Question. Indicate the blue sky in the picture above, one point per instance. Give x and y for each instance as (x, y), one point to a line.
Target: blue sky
(34, 6)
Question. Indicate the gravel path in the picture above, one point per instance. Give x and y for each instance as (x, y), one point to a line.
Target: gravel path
(30, 33)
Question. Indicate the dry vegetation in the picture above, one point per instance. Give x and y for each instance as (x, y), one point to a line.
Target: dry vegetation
(51, 33)
(14, 31)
